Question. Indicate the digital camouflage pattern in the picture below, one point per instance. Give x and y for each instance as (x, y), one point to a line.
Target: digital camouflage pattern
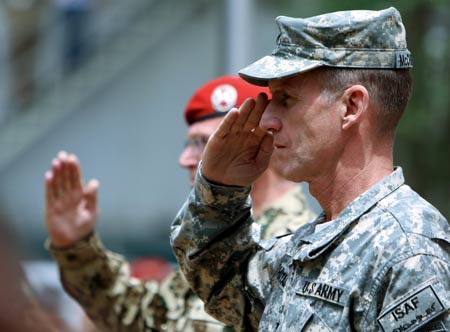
(100, 281)
(382, 265)
(350, 39)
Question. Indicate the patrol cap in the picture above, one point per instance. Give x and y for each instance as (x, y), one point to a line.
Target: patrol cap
(218, 96)
(348, 39)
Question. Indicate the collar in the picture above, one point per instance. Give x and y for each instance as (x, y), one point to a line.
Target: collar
(311, 245)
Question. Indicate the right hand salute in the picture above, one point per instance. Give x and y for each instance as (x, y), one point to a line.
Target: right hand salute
(239, 150)
(70, 207)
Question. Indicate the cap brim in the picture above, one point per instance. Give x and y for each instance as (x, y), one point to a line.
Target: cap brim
(273, 67)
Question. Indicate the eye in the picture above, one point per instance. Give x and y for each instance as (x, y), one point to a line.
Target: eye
(285, 99)
(282, 98)
(198, 143)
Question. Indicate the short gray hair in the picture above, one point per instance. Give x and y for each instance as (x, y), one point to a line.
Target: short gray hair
(389, 91)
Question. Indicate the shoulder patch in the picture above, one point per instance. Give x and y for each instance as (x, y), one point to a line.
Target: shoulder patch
(413, 310)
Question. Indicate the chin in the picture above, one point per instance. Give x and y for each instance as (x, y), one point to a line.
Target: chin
(287, 171)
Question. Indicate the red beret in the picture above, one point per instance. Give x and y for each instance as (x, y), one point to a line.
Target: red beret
(218, 96)
(150, 268)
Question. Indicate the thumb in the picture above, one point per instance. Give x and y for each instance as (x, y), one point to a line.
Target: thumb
(90, 194)
(265, 148)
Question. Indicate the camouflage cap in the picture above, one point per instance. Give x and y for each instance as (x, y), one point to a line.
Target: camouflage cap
(349, 39)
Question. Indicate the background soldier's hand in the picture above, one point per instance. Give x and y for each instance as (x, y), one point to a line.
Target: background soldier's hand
(70, 207)
(239, 150)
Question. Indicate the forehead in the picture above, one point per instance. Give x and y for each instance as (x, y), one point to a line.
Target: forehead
(205, 127)
(294, 83)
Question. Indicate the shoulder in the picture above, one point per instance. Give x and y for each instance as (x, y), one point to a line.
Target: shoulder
(415, 218)
(400, 226)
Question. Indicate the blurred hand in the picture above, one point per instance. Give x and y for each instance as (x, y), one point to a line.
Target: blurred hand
(239, 150)
(70, 207)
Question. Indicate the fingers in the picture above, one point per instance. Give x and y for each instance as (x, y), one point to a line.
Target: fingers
(265, 149)
(227, 123)
(245, 119)
(75, 178)
(56, 187)
(90, 195)
(48, 187)
(257, 112)
(244, 112)
(64, 177)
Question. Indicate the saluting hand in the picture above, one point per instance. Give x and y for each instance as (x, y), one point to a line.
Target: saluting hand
(239, 150)
(70, 208)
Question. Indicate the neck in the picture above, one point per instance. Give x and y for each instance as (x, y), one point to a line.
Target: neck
(269, 187)
(350, 178)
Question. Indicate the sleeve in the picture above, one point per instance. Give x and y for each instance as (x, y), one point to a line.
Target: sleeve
(213, 238)
(415, 298)
(185, 311)
(100, 281)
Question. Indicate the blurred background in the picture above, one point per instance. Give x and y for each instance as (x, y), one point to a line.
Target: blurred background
(108, 80)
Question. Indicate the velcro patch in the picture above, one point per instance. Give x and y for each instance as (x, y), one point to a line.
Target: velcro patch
(434, 327)
(412, 311)
(403, 59)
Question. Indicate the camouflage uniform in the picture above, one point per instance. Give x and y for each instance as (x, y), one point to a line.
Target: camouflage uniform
(382, 265)
(100, 281)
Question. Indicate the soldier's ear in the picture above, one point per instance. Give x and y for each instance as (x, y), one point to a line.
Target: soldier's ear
(356, 102)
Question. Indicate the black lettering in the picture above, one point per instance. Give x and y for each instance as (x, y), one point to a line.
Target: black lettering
(399, 313)
(305, 287)
(312, 288)
(324, 291)
(408, 308)
(282, 276)
(319, 289)
(332, 293)
(415, 302)
(405, 60)
(340, 292)
(406, 326)
(395, 317)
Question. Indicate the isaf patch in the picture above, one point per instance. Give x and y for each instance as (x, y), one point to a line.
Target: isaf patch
(412, 311)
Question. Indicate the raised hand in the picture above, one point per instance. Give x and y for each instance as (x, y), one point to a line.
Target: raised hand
(239, 150)
(70, 208)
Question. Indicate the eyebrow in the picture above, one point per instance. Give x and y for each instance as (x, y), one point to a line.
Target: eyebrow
(282, 88)
(287, 86)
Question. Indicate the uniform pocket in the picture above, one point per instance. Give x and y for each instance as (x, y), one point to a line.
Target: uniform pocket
(306, 321)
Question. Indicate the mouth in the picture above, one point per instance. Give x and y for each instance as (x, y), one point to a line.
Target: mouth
(278, 146)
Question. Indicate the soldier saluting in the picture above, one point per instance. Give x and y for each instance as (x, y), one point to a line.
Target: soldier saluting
(377, 258)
